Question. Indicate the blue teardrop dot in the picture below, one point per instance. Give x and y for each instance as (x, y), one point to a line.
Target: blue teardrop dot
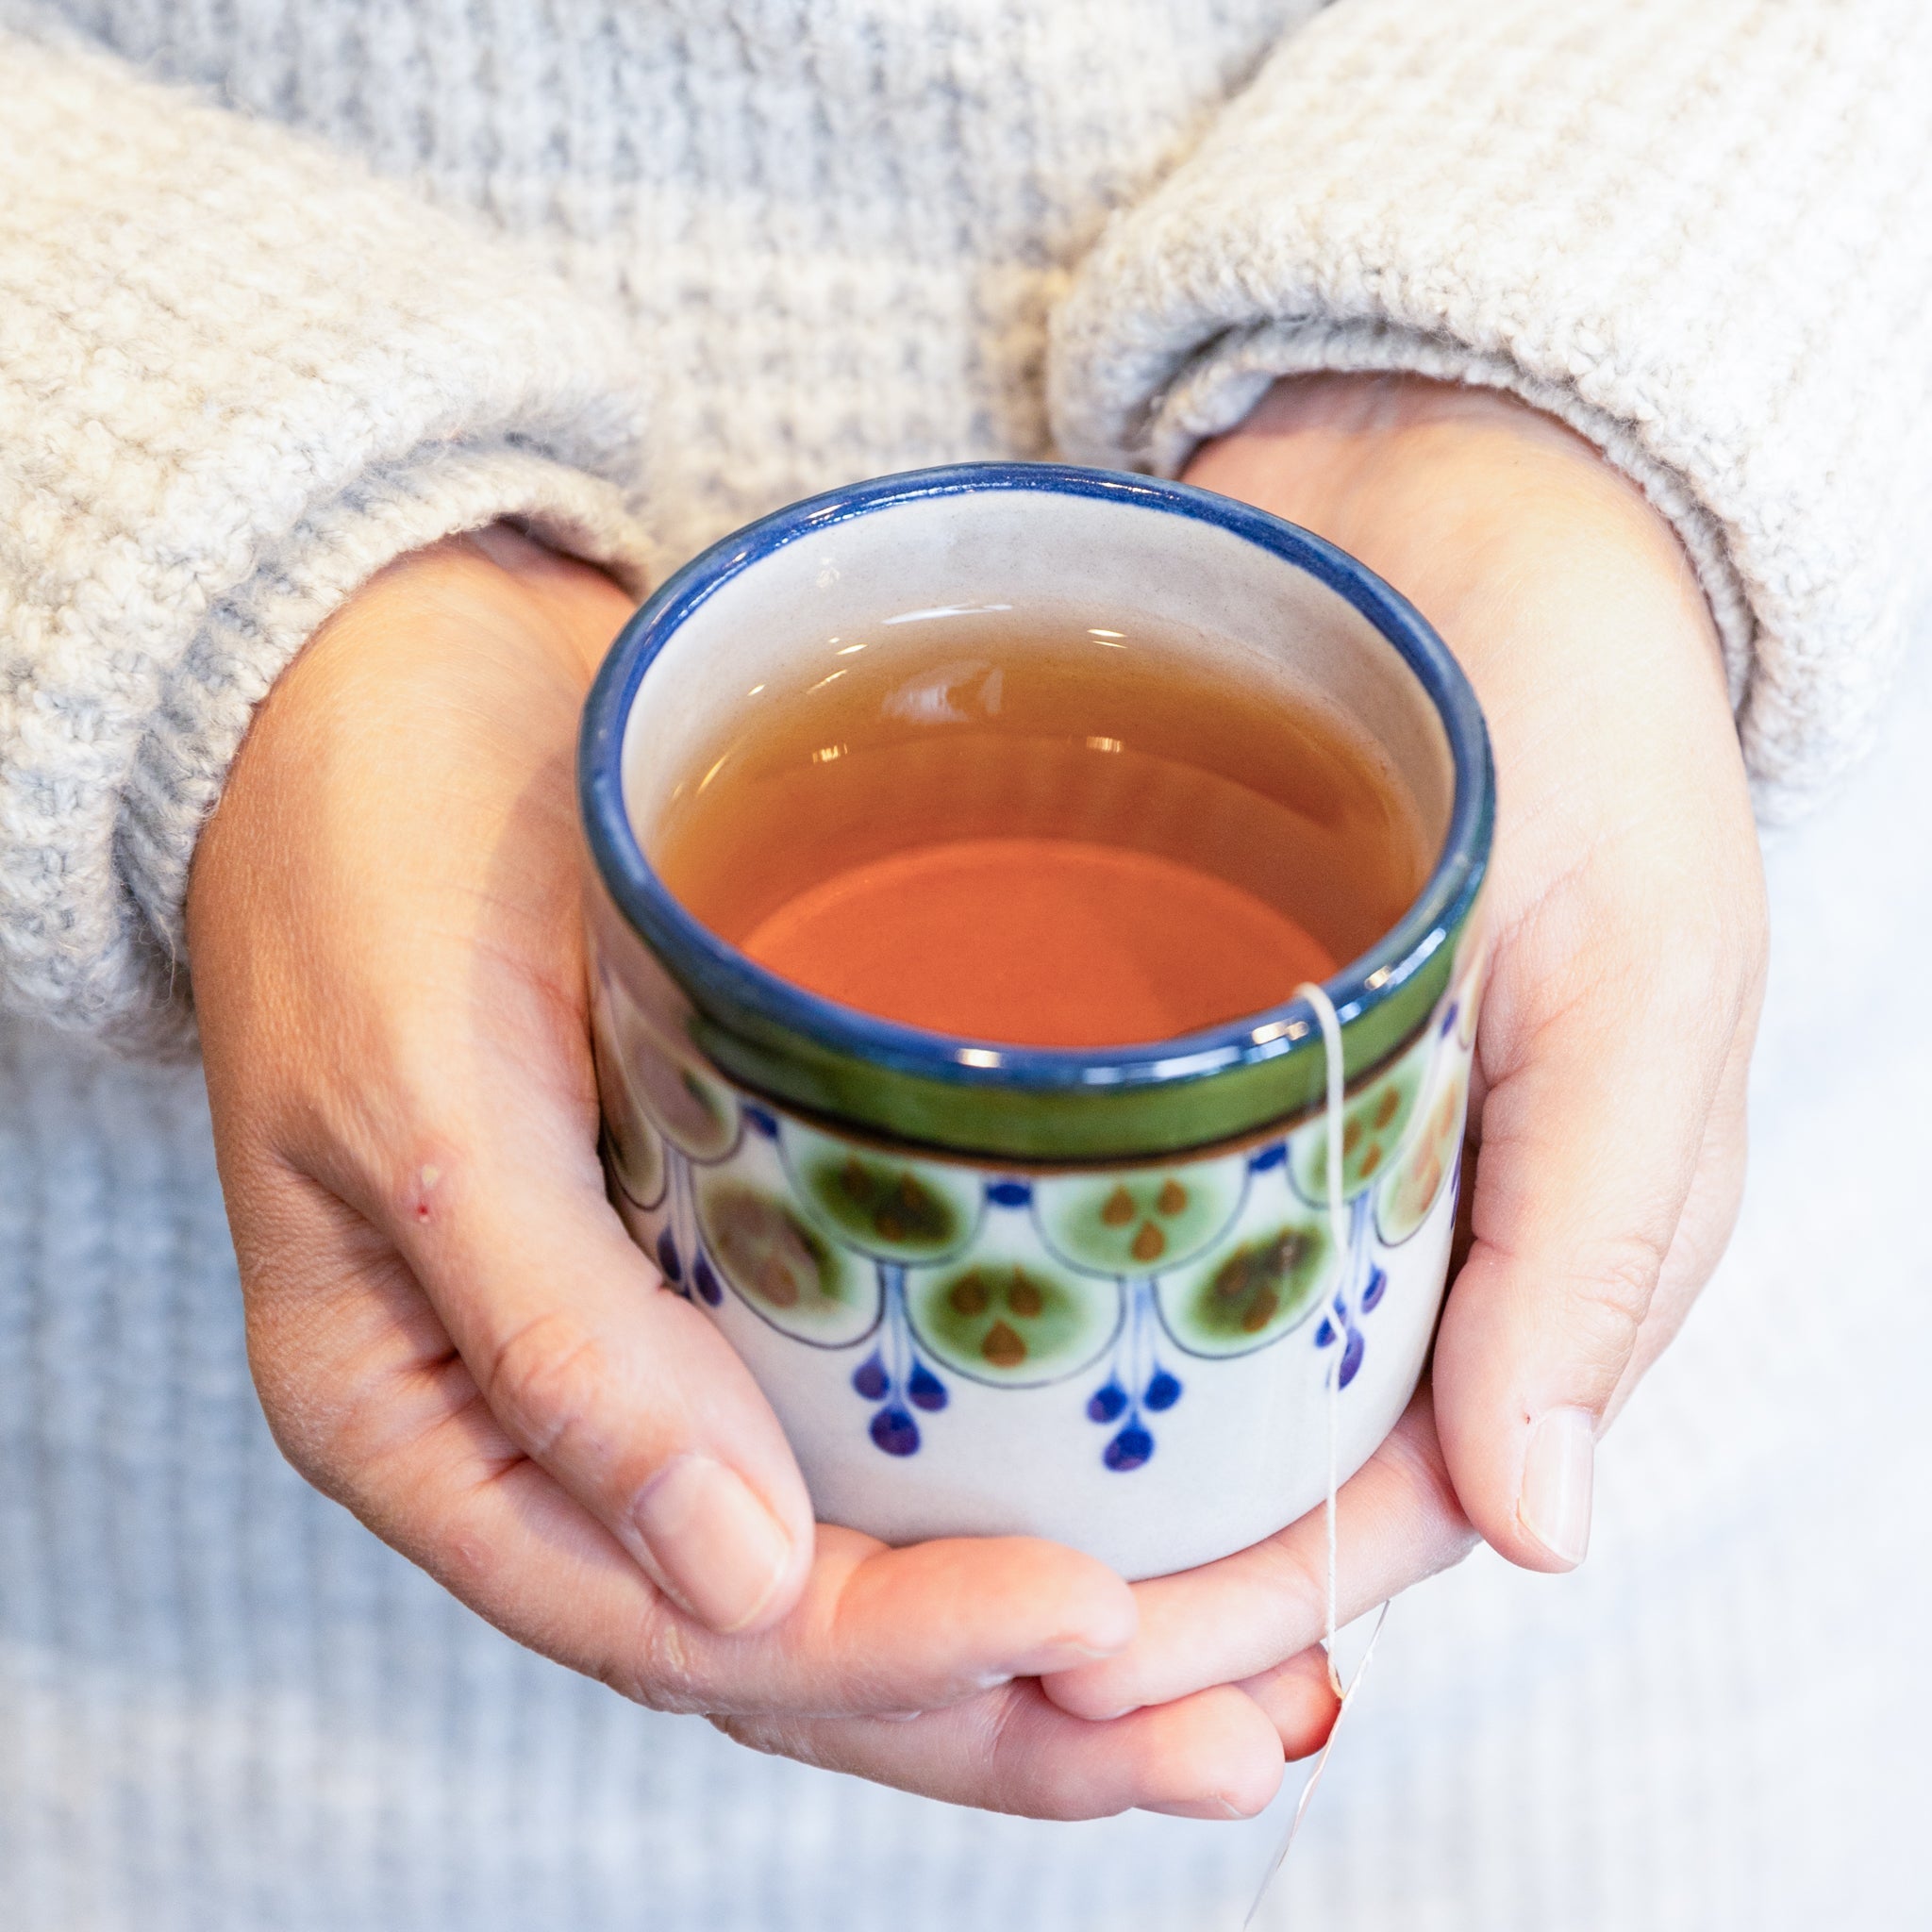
(1269, 1156)
(762, 1122)
(1351, 1355)
(1010, 1193)
(868, 1379)
(1105, 1405)
(925, 1389)
(1377, 1287)
(895, 1432)
(706, 1282)
(1325, 1335)
(667, 1258)
(1448, 1019)
(1163, 1392)
(1129, 1449)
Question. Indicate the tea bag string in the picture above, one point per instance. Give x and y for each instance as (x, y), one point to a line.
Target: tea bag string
(1338, 1231)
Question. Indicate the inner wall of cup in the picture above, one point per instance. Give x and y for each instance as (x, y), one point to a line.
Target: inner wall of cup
(1255, 617)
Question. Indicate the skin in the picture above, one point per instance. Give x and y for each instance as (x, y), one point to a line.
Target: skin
(452, 1336)
(1626, 920)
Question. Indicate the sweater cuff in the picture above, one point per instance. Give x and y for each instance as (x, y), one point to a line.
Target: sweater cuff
(238, 375)
(250, 635)
(1655, 223)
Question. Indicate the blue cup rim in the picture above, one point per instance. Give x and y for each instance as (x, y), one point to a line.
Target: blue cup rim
(725, 985)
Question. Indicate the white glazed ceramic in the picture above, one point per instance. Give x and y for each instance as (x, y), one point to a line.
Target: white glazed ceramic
(1086, 1295)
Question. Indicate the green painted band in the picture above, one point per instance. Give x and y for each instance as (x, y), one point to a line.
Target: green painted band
(1072, 1123)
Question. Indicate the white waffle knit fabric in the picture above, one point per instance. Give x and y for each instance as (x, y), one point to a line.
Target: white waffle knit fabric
(338, 277)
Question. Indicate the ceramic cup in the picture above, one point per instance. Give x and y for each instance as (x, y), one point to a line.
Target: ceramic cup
(1090, 1295)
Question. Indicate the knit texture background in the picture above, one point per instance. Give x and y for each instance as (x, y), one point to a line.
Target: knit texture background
(339, 276)
(235, 379)
(226, 1708)
(639, 272)
(1695, 233)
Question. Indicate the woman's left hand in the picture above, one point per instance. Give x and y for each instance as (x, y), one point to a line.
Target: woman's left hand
(1625, 916)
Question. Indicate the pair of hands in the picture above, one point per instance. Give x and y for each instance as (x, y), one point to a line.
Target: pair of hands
(452, 1335)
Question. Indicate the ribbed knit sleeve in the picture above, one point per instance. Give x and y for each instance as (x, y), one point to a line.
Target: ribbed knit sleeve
(1697, 233)
(236, 377)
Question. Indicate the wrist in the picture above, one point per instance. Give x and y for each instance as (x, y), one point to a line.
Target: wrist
(488, 625)
(1446, 488)
(1324, 438)
(494, 590)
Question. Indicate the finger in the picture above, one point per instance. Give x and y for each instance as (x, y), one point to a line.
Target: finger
(1705, 1228)
(1591, 1135)
(1397, 1521)
(1211, 1756)
(1298, 1699)
(369, 1400)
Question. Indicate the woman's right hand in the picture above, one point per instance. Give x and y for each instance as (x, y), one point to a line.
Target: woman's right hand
(452, 1334)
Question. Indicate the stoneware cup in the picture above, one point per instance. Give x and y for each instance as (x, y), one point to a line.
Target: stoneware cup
(1088, 1294)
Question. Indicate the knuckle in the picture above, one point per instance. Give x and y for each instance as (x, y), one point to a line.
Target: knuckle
(471, 1566)
(546, 1380)
(1001, 1768)
(663, 1673)
(665, 1663)
(1006, 1763)
(313, 1423)
(307, 1442)
(1613, 1290)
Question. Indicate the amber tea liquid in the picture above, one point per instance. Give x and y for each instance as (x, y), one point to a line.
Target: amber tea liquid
(1040, 832)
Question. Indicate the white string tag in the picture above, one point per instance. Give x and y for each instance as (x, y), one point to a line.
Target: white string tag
(1315, 1769)
(1337, 1232)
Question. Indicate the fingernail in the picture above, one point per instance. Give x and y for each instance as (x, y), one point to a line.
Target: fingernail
(721, 1551)
(1554, 1505)
(1217, 1809)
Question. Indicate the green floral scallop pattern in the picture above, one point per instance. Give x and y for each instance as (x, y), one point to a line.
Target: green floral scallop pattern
(1009, 1313)
(1372, 1125)
(889, 1206)
(683, 1100)
(1267, 1277)
(636, 1150)
(937, 1274)
(784, 1267)
(933, 1271)
(697, 1114)
(1139, 1221)
(1411, 1189)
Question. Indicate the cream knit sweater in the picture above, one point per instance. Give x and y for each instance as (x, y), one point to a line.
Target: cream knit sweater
(290, 287)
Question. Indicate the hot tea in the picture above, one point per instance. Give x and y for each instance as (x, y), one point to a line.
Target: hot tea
(1040, 832)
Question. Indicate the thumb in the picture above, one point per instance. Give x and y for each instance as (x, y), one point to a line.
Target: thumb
(1589, 1137)
(621, 1390)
